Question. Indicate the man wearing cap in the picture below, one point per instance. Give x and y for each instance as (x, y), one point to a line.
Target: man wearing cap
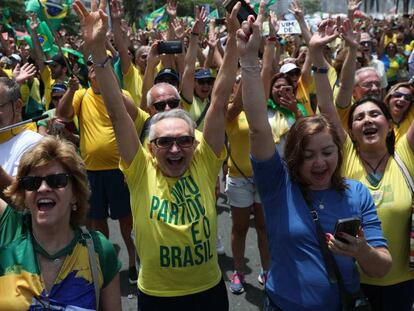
(110, 195)
(54, 72)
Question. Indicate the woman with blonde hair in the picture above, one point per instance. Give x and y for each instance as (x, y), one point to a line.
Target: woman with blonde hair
(46, 259)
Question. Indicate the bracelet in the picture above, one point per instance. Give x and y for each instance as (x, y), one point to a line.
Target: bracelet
(103, 64)
(272, 39)
(322, 70)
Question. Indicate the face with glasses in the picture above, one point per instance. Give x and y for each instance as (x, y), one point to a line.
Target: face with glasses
(399, 103)
(164, 98)
(173, 146)
(48, 195)
(368, 84)
(203, 87)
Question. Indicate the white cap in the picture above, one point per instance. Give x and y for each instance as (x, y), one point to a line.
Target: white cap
(16, 57)
(288, 67)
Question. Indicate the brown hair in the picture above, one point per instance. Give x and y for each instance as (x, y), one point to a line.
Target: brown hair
(297, 140)
(395, 88)
(47, 150)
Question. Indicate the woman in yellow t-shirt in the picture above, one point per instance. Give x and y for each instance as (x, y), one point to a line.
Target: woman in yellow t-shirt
(399, 103)
(369, 157)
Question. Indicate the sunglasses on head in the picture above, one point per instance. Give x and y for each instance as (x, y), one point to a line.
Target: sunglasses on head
(167, 141)
(205, 81)
(407, 97)
(172, 103)
(54, 181)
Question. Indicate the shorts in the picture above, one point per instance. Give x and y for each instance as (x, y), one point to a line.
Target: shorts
(110, 195)
(241, 192)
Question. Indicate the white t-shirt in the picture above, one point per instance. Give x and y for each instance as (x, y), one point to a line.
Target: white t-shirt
(12, 150)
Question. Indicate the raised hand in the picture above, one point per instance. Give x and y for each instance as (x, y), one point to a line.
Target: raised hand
(232, 22)
(23, 73)
(116, 9)
(249, 38)
(353, 5)
(327, 32)
(296, 10)
(153, 57)
(34, 23)
(350, 37)
(273, 24)
(200, 21)
(171, 9)
(179, 28)
(94, 24)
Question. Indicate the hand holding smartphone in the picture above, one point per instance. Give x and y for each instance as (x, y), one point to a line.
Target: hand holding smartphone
(347, 225)
(245, 9)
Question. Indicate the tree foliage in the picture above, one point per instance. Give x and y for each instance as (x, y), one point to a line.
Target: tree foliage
(312, 6)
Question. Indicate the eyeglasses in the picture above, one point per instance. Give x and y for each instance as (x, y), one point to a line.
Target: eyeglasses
(365, 43)
(370, 84)
(167, 141)
(407, 97)
(54, 181)
(205, 81)
(172, 103)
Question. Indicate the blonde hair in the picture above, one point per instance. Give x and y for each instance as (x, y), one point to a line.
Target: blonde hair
(48, 150)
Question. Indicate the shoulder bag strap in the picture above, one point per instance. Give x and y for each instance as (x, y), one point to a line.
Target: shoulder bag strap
(92, 262)
(202, 115)
(228, 148)
(405, 172)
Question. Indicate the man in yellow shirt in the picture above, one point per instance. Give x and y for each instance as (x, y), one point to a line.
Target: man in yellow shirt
(173, 185)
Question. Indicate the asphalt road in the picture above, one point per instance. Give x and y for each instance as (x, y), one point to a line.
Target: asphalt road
(252, 297)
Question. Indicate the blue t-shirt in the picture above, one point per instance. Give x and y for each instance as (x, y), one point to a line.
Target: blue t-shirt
(297, 276)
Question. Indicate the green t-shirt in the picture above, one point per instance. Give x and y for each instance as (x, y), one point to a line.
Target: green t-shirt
(20, 279)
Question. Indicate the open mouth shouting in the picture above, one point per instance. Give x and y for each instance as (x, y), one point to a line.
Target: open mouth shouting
(45, 204)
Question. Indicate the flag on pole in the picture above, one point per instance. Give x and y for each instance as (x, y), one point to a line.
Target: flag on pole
(45, 38)
(156, 19)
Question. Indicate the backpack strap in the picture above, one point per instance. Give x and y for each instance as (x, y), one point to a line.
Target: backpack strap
(86, 236)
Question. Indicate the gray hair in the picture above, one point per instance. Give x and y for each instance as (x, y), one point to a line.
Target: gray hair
(363, 70)
(150, 100)
(11, 89)
(173, 113)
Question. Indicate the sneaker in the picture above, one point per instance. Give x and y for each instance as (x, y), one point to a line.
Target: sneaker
(236, 285)
(219, 246)
(262, 278)
(132, 275)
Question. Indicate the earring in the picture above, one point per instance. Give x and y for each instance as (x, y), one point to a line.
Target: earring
(74, 207)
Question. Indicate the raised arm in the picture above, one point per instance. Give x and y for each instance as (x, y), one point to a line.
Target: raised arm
(153, 59)
(344, 97)
(325, 34)
(65, 109)
(269, 53)
(120, 35)
(254, 99)
(94, 25)
(297, 11)
(213, 131)
(37, 49)
(187, 83)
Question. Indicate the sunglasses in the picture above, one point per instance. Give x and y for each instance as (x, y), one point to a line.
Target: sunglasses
(172, 103)
(205, 81)
(167, 141)
(54, 181)
(365, 43)
(407, 97)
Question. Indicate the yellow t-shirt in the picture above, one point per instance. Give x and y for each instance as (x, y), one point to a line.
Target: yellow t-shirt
(196, 108)
(48, 82)
(237, 131)
(175, 223)
(393, 200)
(133, 84)
(97, 138)
(402, 128)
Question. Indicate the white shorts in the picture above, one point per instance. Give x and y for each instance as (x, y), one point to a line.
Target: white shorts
(241, 192)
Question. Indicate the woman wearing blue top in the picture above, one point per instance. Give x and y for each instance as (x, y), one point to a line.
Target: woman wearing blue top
(298, 278)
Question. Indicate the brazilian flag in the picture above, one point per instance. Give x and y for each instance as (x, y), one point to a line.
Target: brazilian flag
(156, 19)
(53, 10)
(45, 38)
(268, 5)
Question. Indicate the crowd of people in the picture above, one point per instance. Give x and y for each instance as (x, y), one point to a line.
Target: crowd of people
(307, 128)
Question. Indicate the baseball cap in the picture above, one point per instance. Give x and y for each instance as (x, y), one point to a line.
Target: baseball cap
(167, 72)
(288, 67)
(59, 88)
(203, 73)
(56, 60)
(15, 57)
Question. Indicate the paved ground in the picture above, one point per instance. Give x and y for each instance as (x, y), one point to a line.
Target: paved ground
(251, 299)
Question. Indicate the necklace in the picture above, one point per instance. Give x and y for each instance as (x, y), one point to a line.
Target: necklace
(319, 201)
(374, 169)
(59, 255)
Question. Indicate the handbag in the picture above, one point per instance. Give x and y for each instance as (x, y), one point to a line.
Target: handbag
(350, 301)
(410, 184)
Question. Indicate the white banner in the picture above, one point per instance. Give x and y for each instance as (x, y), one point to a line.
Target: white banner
(288, 27)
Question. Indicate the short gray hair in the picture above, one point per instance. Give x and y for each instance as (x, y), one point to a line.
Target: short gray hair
(150, 100)
(363, 70)
(10, 88)
(173, 113)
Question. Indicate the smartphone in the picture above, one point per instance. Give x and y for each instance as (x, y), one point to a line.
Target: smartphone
(347, 225)
(245, 9)
(170, 47)
(220, 21)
